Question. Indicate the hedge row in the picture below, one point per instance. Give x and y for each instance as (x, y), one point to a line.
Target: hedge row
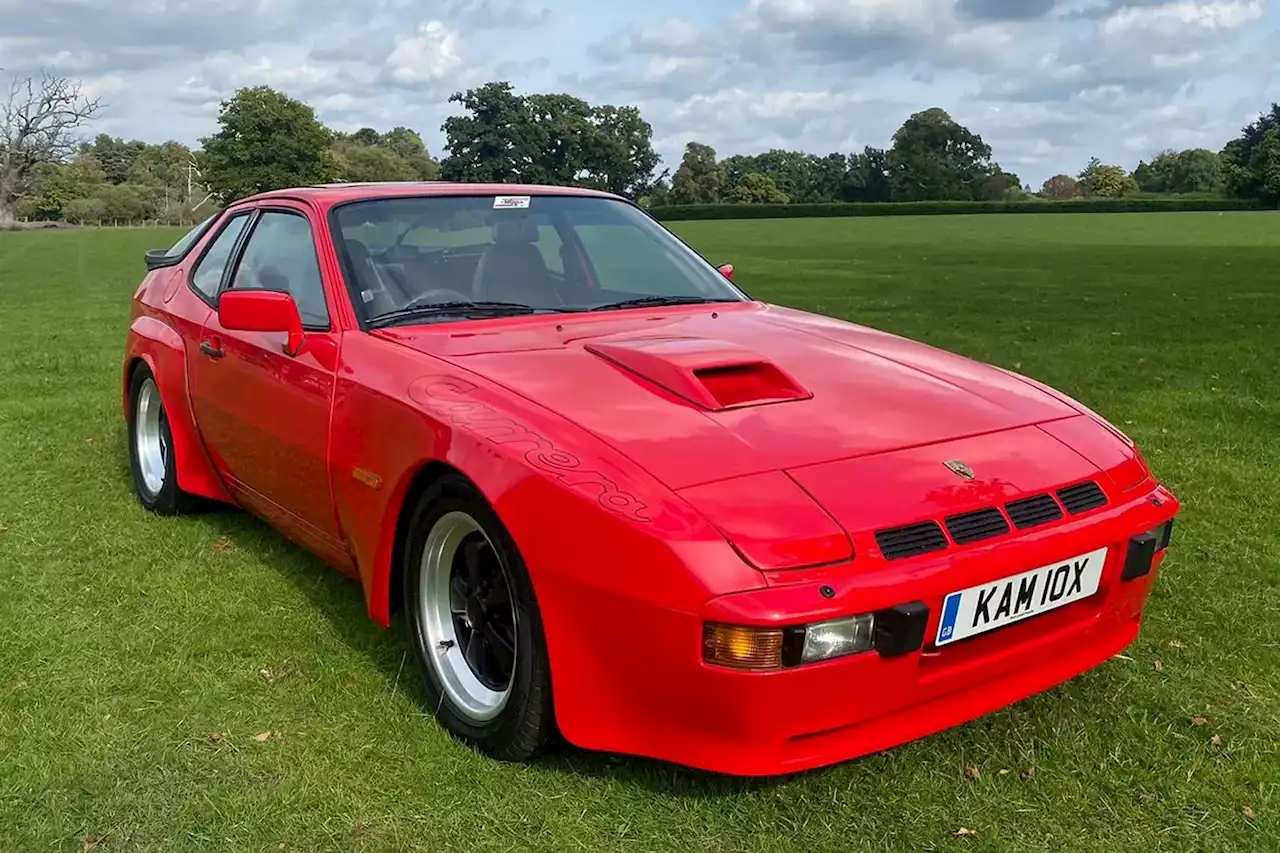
(676, 212)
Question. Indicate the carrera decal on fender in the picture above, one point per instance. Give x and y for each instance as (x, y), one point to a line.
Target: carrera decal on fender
(447, 396)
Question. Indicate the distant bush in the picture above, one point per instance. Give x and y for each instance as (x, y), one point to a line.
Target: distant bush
(672, 213)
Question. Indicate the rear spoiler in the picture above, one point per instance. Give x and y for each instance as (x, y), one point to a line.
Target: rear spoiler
(159, 259)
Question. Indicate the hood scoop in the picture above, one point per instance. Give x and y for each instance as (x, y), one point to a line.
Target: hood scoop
(715, 375)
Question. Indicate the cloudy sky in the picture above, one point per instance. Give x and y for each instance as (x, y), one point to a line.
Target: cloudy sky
(1048, 83)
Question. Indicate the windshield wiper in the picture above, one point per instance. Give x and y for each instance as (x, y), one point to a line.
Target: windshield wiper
(658, 300)
(479, 308)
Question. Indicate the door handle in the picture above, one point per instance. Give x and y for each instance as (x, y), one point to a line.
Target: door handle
(211, 351)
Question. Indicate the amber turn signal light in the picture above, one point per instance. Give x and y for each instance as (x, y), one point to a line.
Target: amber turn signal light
(742, 647)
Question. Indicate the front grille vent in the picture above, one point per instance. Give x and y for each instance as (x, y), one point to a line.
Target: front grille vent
(976, 526)
(897, 543)
(1033, 512)
(1082, 497)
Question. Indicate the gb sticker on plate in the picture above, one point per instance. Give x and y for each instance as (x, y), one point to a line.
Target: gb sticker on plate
(510, 202)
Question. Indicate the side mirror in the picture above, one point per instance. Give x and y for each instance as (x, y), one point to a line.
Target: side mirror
(726, 270)
(262, 311)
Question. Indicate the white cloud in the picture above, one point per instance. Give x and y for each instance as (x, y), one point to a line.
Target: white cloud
(673, 37)
(857, 16)
(1186, 17)
(1047, 83)
(429, 56)
(98, 87)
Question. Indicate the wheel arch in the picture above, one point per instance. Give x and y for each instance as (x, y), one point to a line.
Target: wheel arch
(156, 346)
(388, 595)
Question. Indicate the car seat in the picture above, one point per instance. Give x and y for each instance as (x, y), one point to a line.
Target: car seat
(512, 269)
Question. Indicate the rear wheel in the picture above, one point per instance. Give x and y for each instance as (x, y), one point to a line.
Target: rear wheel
(474, 623)
(151, 459)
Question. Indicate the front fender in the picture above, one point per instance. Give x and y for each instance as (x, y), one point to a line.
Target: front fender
(154, 343)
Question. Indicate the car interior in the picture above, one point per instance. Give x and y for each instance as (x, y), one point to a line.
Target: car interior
(509, 268)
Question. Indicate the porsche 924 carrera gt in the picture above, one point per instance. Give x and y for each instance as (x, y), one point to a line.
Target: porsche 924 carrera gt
(616, 498)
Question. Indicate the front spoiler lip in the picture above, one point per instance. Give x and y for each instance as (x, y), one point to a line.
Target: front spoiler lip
(796, 752)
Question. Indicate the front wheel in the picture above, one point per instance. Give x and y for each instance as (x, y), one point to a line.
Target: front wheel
(475, 625)
(151, 459)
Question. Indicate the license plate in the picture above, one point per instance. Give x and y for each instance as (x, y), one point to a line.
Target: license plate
(979, 609)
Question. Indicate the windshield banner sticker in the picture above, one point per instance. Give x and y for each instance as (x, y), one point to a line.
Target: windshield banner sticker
(510, 202)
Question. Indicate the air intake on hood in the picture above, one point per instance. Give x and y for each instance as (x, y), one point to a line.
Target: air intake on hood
(713, 374)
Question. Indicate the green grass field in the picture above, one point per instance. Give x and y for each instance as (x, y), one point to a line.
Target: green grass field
(141, 659)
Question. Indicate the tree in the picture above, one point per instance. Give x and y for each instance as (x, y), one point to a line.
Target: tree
(495, 143)
(827, 177)
(700, 179)
(620, 158)
(547, 139)
(1250, 161)
(1158, 175)
(266, 141)
(116, 155)
(361, 163)
(1197, 170)
(38, 125)
(397, 155)
(1101, 180)
(367, 136)
(868, 178)
(408, 145)
(757, 188)
(1061, 188)
(1001, 186)
(933, 157)
(56, 185)
(560, 127)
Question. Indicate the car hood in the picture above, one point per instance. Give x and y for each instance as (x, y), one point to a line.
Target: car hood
(697, 395)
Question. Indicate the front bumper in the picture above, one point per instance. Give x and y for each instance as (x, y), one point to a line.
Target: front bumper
(666, 703)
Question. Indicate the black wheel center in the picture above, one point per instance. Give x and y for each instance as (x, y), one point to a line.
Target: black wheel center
(475, 613)
(484, 619)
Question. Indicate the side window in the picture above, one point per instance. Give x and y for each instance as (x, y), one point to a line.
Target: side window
(208, 271)
(281, 255)
(190, 238)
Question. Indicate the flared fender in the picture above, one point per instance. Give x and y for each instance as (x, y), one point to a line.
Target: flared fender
(157, 345)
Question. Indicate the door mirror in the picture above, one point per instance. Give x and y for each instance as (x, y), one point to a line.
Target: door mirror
(262, 311)
(726, 270)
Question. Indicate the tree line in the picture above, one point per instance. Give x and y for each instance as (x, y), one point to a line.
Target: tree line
(267, 140)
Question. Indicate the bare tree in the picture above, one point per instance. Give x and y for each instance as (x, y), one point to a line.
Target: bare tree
(38, 124)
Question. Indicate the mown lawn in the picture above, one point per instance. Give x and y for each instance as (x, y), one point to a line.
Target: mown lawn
(141, 658)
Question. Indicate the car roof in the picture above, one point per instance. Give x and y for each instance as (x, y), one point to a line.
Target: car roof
(337, 193)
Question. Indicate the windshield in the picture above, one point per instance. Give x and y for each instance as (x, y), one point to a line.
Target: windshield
(421, 258)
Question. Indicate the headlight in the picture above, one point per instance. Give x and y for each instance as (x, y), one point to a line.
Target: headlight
(826, 640)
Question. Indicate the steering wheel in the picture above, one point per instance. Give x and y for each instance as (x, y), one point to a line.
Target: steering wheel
(439, 294)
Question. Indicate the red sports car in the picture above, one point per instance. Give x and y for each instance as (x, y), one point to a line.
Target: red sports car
(617, 498)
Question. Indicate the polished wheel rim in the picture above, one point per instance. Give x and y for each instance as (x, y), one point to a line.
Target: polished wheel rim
(149, 438)
(468, 620)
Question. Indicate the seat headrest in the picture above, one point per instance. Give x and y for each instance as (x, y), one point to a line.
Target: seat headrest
(515, 229)
(358, 251)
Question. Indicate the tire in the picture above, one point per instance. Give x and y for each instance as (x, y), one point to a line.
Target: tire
(459, 557)
(151, 459)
